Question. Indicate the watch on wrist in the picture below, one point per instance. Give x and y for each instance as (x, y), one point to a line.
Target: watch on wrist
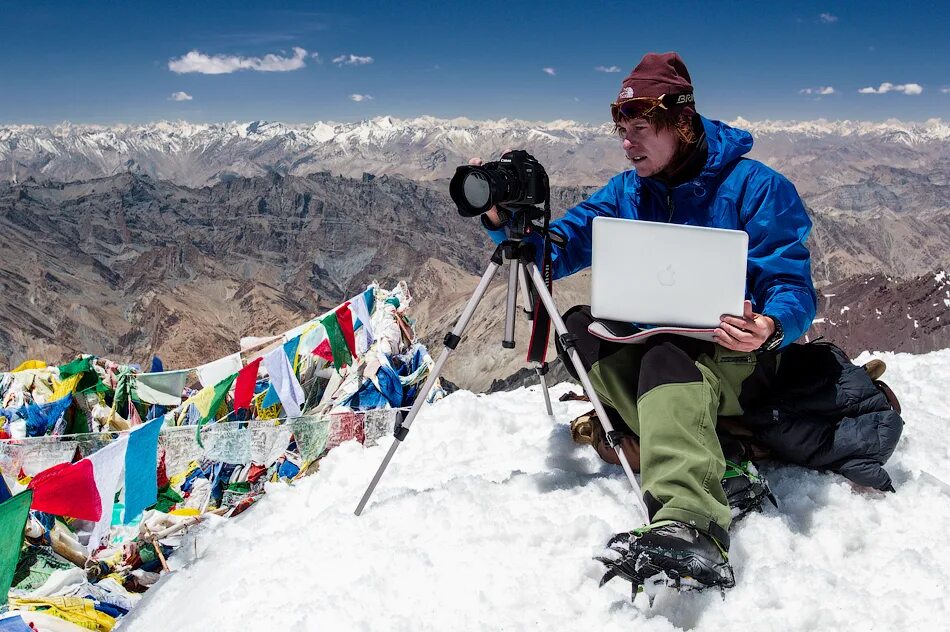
(775, 340)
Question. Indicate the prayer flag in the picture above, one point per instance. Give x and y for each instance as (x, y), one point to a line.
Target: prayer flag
(312, 336)
(161, 388)
(339, 345)
(284, 381)
(246, 381)
(41, 418)
(141, 469)
(290, 348)
(271, 398)
(323, 350)
(361, 311)
(62, 388)
(345, 317)
(13, 515)
(369, 297)
(213, 372)
(76, 367)
(107, 466)
(68, 489)
(208, 401)
(29, 365)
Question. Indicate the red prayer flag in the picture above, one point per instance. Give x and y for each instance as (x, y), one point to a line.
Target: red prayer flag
(345, 318)
(67, 489)
(323, 350)
(244, 388)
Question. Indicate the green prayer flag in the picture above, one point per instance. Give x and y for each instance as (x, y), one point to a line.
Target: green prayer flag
(310, 434)
(338, 346)
(220, 392)
(13, 515)
(79, 365)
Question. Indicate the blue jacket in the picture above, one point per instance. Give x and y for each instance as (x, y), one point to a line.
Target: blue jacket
(730, 192)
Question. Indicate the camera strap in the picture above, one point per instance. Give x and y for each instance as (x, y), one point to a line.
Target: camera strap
(541, 328)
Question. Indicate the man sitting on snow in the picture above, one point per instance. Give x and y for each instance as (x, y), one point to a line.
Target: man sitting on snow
(670, 391)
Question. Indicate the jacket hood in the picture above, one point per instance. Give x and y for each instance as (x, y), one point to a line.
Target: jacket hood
(724, 145)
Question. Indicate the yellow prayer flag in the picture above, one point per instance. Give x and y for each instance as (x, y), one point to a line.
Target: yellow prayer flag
(62, 388)
(30, 364)
(201, 400)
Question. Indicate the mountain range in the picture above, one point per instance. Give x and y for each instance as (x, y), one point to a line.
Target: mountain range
(428, 148)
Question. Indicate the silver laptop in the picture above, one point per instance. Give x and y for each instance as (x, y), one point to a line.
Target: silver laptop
(666, 274)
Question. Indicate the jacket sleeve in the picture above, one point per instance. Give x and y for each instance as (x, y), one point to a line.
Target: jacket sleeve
(779, 273)
(576, 226)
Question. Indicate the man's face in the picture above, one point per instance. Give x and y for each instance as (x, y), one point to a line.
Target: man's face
(649, 150)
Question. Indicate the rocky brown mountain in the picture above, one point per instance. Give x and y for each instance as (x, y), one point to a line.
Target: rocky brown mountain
(128, 266)
(881, 313)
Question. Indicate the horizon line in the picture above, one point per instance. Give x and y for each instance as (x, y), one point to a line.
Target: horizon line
(936, 120)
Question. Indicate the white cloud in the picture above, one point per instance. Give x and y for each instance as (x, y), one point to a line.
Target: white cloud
(316, 57)
(361, 97)
(945, 90)
(607, 68)
(549, 71)
(196, 61)
(180, 96)
(906, 88)
(821, 91)
(352, 60)
(827, 18)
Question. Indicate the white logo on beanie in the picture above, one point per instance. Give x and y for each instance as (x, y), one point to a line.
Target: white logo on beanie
(626, 93)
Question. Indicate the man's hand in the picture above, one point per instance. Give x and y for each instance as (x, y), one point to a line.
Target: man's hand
(745, 333)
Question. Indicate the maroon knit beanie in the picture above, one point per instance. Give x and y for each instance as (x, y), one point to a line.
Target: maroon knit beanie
(657, 75)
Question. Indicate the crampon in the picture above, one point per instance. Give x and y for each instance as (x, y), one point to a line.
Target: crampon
(667, 555)
(745, 489)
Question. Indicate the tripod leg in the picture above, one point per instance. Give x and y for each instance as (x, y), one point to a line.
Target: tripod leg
(541, 288)
(542, 370)
(508, 342)
(451, 341)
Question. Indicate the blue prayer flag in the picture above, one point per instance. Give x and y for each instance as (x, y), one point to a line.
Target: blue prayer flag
(141, 469)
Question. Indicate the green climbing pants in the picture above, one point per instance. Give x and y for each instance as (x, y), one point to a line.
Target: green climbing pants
(670, 392)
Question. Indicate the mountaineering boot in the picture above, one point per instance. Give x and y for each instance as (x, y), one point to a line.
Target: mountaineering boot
(745, 490)
(686, 556)
(875, 369)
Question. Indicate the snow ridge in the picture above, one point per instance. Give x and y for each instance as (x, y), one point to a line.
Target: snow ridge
(489, 516)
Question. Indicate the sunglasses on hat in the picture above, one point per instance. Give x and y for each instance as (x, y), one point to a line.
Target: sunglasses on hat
(639, 107)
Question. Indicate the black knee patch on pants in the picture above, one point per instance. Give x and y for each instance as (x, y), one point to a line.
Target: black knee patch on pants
(653, 505)
(590, 348)
(666, 363)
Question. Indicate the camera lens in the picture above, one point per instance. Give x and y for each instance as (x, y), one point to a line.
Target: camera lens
(476, 189)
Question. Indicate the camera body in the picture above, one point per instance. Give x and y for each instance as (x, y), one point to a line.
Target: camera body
(517, 179)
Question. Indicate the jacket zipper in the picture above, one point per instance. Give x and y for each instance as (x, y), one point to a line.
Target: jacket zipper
(669, 205)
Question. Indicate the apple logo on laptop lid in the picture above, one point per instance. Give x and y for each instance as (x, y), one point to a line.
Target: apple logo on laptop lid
(667, 276)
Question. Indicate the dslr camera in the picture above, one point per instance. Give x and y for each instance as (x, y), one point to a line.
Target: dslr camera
(515, 180)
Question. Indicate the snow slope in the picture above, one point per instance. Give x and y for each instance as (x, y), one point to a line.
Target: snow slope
(488, 518)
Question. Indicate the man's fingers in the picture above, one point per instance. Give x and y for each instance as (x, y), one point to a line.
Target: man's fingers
(741, 323)
(724, 338)
(475, 162)
(736, 333)
(747, 310)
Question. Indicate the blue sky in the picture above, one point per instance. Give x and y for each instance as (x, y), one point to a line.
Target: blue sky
(106, 62)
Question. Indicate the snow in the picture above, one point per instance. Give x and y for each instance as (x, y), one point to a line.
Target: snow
(489, 515)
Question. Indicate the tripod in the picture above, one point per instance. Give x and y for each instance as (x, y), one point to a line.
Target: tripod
(519, 256)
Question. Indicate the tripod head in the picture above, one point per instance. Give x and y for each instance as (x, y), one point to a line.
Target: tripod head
(527, 219)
